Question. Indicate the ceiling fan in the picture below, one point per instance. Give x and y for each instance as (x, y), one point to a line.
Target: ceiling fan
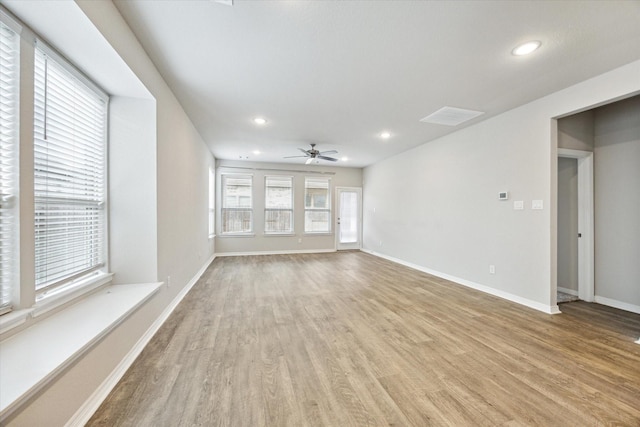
(315, 154)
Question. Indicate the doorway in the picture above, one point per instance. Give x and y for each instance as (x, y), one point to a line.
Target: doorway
(348, 218)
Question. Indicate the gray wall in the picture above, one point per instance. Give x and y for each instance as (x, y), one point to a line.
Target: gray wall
(568, 224)
(437, 207)
(576, 131)
(259, 242)
(617, 201)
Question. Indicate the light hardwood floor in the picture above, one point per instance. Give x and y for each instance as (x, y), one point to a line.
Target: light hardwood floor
(348, 339)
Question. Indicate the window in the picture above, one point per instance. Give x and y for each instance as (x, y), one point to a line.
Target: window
(278, 205)
(69, 174)
(8, 162)
(237, 212)
(317, 205)
(212, 202)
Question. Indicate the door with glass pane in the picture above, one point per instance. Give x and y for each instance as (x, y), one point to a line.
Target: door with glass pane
(348, 218)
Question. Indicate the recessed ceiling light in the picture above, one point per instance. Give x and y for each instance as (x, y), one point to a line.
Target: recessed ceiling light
(385, 135)
(344, 159)
(526, 48)
(260, 121)
(256, 152)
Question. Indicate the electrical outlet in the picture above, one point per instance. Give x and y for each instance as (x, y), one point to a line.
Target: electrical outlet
(492, 269)
(299, 240)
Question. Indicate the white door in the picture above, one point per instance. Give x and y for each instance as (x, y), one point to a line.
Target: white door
(348, 218)
(586, 253)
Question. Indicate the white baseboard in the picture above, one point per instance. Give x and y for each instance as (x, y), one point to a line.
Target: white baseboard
(618, 304)
(91, 405)
(568, 291)
(549, 309)
(301, 251)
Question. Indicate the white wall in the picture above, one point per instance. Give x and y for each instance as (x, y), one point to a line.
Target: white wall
(133, 221)
(166, 177)
(259, 242)
(436, 206)
(568, 224)
(617, 202)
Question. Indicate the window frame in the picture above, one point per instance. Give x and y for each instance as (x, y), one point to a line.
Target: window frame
(309, 209)
(212, 203)
(86, 277)
(291, 229)
(9, 189)
(26, 302)
(223, 208)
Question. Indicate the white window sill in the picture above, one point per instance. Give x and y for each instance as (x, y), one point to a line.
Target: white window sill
(56, 299)
(319, 234)
(13, 319)
(33, 357)
(68, 294)
(237, 235)
(212, 236)
(279, 235)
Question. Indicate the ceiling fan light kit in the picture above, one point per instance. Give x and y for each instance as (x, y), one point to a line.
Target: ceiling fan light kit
(314, 154)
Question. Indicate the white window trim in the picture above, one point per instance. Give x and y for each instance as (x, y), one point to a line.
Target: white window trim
(10, 200)
(224, 235)
(212, 203)
(329, 209)
(251, 231)
(10, 22)
(292, 210)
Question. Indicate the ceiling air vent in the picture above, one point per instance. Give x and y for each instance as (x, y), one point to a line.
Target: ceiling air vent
(451, 116)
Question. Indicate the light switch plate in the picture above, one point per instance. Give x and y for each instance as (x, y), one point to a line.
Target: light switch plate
(536, 204)
(518, 205)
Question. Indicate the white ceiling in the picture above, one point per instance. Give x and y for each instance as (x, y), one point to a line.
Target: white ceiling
(338, 73)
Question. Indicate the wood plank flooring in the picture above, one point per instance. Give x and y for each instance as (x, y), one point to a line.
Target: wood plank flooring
(348, 339)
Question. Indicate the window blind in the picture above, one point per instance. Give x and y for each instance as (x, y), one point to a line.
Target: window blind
(317, 205)
(278, 212)
(8, 161)
(69, 174)
(237, 211)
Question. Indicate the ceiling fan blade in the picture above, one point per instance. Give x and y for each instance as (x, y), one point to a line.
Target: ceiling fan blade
(309, 160)
(331, 159)
(292, 157)
(328, 152)
(304, 151)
